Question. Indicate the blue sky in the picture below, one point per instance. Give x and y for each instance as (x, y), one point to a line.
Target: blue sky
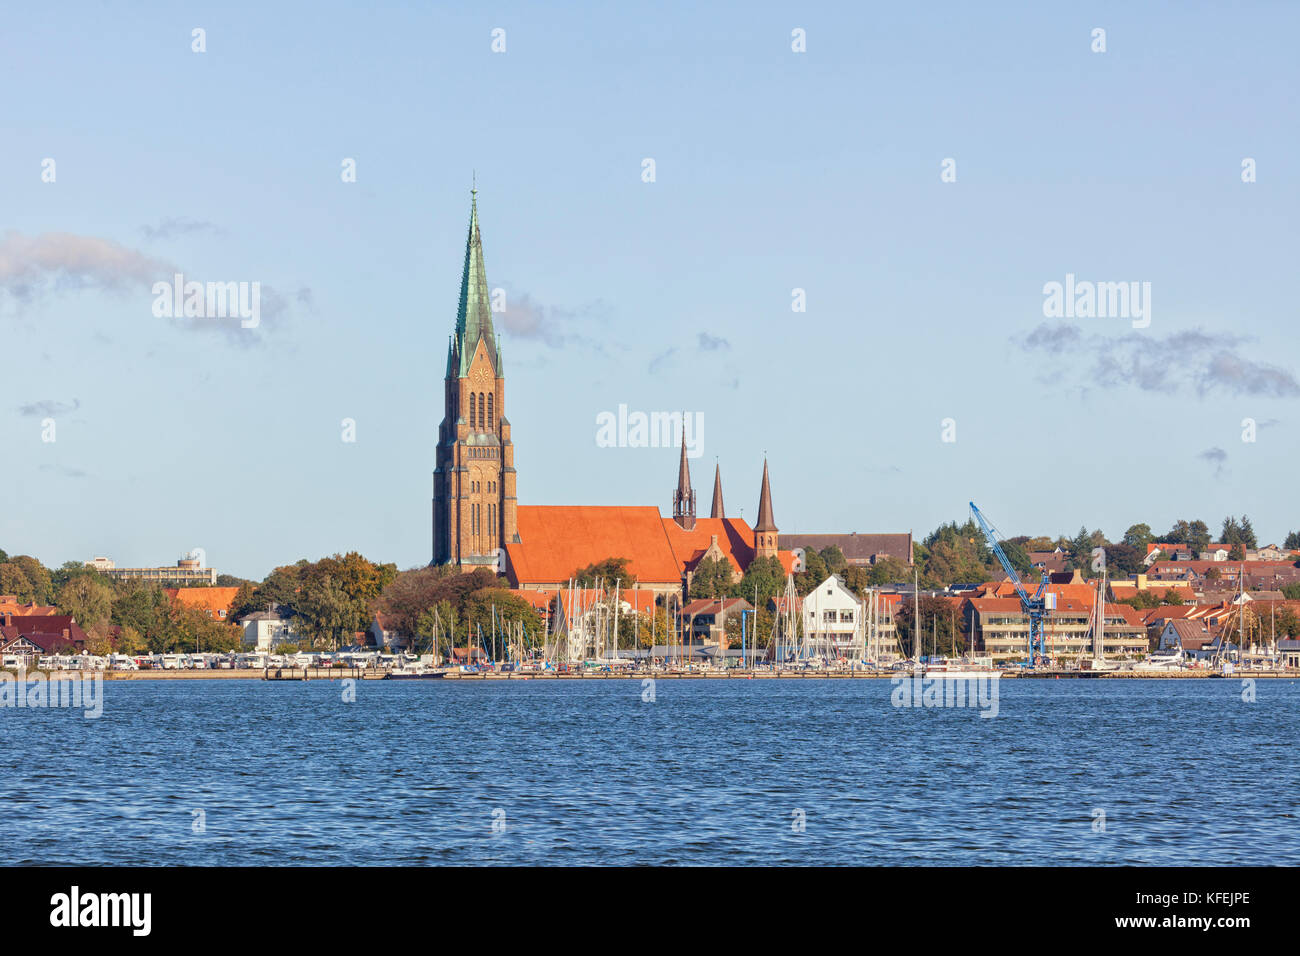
(775, 170)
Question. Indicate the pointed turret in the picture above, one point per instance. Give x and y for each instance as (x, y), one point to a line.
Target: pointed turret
(684, 496)
(765, 530)
(717, 511)
(474, 316)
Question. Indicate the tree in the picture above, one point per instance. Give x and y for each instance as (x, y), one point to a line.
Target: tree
(1292, 541)
(1139, 536)
(607, 573)
(767, 576)
(939, 619)
(327, 612)
(13, 580)
(712, 578)
(1199, 536)
(1248, 534)
(88, 599)
(42, 588)
(1124, 559)
(834, 559)
(1288, 623)
(1291, 591)
(1238, 552)
(814, 572)
(1018, 555)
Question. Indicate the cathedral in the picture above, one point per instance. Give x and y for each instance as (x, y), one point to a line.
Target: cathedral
(477, 521)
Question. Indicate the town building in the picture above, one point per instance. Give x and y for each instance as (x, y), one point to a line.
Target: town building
(1002, 629)
(215, 602)
(24, 639)
(704, 622)
(189, 571)
(859, 550)
(266, 629)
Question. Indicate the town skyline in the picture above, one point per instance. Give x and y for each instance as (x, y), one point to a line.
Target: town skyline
(924, 298)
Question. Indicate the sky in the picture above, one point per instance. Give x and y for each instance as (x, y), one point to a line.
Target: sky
(923, 373)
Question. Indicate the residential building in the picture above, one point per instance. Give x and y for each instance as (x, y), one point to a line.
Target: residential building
(705, 621)
(859, 550)
(189, 570)
(1002, 629)
(265, 629)
(216, 603)
(23, 639)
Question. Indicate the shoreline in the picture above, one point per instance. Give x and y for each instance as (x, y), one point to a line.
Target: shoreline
(297, 674)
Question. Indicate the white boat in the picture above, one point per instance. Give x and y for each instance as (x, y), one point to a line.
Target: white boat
(949, 667)
(1168, 660)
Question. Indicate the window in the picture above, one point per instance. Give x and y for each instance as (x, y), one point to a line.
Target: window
(491, 418)
(481, 417)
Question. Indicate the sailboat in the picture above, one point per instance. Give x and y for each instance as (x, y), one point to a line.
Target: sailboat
(1098, 661)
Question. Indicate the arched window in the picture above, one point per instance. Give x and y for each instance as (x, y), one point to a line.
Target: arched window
(482, 419)
(491, 419)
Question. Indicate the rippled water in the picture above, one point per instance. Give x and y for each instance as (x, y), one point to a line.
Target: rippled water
(711, 772)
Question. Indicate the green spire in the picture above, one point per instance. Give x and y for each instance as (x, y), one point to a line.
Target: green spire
(474, 316)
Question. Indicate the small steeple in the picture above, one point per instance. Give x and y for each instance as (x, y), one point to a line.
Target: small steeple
(765, 530)
(684, 496)
(717, 511)
(474, 315)
(765, 522)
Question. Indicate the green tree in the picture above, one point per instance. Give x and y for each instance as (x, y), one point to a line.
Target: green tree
(712, 578)
(814, 572)
(766, 576)
(605, 573)
(13, 580)
(1139, 536)
(834, 559)
(88, 599)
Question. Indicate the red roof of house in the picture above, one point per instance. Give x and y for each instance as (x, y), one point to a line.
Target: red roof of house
(556, 540)
(211, 600)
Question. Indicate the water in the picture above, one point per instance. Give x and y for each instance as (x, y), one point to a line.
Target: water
(711, 772)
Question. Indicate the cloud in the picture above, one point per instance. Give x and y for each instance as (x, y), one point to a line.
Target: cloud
(711, 343)
(180, 226)
(35, 266)
(48, 408)
(525, 318)
(1217, 457)
(661, 361)
(65, 471)
(30, 265)
(1197, 361)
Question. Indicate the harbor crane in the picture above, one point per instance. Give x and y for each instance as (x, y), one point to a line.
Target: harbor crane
(1038, 605)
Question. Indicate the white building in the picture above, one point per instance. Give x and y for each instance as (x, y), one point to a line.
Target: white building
(266, 629)
(832, 621)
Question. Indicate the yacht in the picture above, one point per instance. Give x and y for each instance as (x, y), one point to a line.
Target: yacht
(1166, 660)
(960, 667)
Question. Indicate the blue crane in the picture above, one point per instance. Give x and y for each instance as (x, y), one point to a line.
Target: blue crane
(1038, 605)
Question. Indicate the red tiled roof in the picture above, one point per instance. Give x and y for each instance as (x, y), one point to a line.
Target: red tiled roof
(735, 541)
(211, 600)
(556, 540)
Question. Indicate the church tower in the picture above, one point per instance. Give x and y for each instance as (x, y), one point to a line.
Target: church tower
(717, 511)
(684, 495)
(765, 533)
(474, 504)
